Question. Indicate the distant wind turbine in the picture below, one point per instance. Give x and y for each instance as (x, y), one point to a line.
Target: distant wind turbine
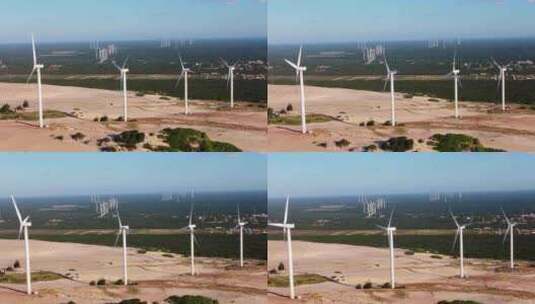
(24, 225)
(459, 236)
(184, 72)
(501, 79)
(456, 78)
(124, 71)
(390, 76)
(510, 232)
(191, 227)
(37, 68)
(390, 234)
(240, 226)
(230, 80)
(299, 70)
(123, 230)
(287, 229)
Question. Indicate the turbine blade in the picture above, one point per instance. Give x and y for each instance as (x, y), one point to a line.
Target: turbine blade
(300, 56)
(225, 62)
(181, 62)
(179, 79)
(116, 66)
(16, 208)
(239, 220)
(31, 75)
(20, 231)
(286, 210)
(386, 83)
(34, 51)
(455, 240)
(506, 234)
(391, 215)
(381, 227)
(505, 216)
(125, 61)
(293, 65)
(191, 213)
(117, 239)
(454, 219)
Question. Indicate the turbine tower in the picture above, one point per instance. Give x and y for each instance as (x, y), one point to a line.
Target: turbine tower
(37, 68)
(299, 70)
(455, 73)
(459, 236)
(501, 79)
(123, 70)
(390, 76)
(191, 227)
(390, 235)
(24, 225)
(230, 81)
(184, 72)
(123, 230)
(510, 230)
(287, 229)
(240, 226)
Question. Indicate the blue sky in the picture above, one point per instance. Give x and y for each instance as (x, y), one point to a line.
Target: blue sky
(302, 175)
(306, 21)
(42, 174)
(74, 20)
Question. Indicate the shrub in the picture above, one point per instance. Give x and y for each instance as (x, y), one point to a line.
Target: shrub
(190, 300)
(101, 282)
(370, 123)
(342, 143)
(119, 282)
(92, 283)
(104, 119)
(6, 109)
(129, 139)
(370, 148)
(281, 266)
(458, 143)
(25, 104)
(78, 136)
(367, 285)
(289, 107)
(16, 264)
(386, 285)
(397, 144)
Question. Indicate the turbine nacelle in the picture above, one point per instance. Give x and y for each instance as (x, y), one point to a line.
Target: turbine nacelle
(192, 227)
(283, 226)
(38, 66)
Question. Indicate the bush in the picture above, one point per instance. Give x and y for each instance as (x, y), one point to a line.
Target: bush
(281, 266)
(16, 264)
(92, 283)
(289, 107)
(342, 143)
(129, 139)
(190, 300)
(6, 109)
(25, 104)
(370, 148)
(101, 282)
(397, 144)
(77, 136)
(458, 143)
(358, 286)
(190, 140)
(386, 285)
(104, 119)
(370, 123)
(119, 282)
(367, 285)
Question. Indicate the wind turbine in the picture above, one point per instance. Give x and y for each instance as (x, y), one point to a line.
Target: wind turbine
(37, 68)
(459, 236)
(241, 225)
(230, 81)
(299, 70)
(24, 225)
(184, 72)
(123, 70)
(390, 235)
(123, 230)
(455, 73)
(191, 227)
(501, 79)
(510, 231)
(390, 75)
(287, 229)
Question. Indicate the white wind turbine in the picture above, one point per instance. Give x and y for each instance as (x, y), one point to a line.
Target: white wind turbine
(287, 229)
(510, 232)
(37, 68)
(123, 230)
(390, 235)
(501, 79)
(191, 227)
(184, 73)
(455, 73)
(124, 71)
(459, 236)
(240, 226)
(24, 225)
(299, 70)
(390, 76)
(230, 81)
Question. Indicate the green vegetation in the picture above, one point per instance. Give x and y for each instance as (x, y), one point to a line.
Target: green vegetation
(129, 139)
(296, 120)
(20, 278)
(190, 140)
(342, 143)
(458, 143)
(397, 144)
(8, 114)
(190, 300)
(300, 279)
(458, 302)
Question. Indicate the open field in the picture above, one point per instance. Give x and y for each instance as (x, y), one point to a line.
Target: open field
(155, 276)
(423, 277)
(419, 118)
(243, 127)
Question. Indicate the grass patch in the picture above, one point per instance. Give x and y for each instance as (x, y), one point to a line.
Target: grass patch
(20, 278)
(32, 116)
(296, 120)
(458, 143)
(301, 279)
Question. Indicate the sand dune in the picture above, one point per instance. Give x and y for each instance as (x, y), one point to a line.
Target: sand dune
(425, 278)
(157, 277)
(244, 126)
(420, 119)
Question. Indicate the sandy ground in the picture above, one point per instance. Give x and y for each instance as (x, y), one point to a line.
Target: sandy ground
(157, 277)
(420, 119)
(245, 126)
(424, 279)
